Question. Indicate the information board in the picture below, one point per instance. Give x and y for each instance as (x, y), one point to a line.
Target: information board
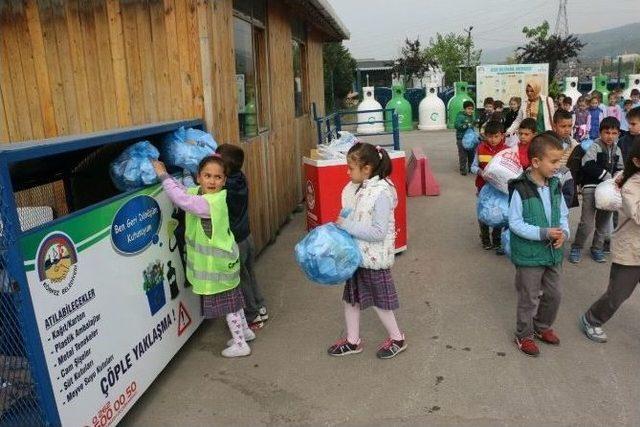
(111, 304)
(504, 81)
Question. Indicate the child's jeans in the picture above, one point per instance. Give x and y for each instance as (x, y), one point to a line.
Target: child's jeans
(537, 312)
(623, 279)
(252, 295)
(590, 216)
(465, 157)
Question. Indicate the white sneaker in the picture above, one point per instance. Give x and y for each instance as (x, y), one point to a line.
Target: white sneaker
(263, 313)
(249, 335)
(236, 351)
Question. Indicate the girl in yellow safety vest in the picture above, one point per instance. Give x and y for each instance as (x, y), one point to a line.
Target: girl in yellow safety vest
(213, 264)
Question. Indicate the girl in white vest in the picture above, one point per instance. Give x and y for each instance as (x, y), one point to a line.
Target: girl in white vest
(213, 263)
(368, 202)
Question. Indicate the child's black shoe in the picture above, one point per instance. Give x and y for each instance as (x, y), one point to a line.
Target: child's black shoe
(342, 347)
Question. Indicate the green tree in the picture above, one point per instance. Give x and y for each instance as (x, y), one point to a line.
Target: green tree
(413, 61)
(339, 71)
(450, 52)
(545, 47)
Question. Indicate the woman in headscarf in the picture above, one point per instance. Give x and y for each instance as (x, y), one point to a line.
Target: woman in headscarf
(537, 106)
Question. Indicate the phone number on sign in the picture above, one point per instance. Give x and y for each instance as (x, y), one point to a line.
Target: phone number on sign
(110, 411)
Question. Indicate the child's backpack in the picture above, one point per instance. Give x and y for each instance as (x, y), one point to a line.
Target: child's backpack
(574, 163)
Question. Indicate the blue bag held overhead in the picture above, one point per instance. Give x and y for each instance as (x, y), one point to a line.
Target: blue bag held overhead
(132, 169)
(328, 255)
(470, 139)
(493, 207)
(185, 148)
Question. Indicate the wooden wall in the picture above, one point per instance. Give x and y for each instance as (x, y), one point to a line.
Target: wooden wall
(77, 66)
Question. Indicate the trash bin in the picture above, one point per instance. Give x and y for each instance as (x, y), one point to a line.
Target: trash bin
(325, 180)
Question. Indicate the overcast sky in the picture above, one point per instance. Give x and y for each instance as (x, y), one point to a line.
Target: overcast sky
(378, 27)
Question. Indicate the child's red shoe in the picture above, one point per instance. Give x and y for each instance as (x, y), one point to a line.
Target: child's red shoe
(527, 346)
(548, 336)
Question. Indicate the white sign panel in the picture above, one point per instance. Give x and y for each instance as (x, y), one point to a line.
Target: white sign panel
(112, 309)
(504, 81)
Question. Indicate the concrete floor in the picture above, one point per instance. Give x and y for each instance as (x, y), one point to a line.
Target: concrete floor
(458, 312)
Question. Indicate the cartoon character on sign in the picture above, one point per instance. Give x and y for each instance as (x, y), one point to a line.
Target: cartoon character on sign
(57, 263)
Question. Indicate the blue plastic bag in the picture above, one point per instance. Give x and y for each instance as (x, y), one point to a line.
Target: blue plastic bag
(493, 207)
(185, 148)
(470, 139)
(132, 169)
(586, 144)
(505, 240)
(328, 255)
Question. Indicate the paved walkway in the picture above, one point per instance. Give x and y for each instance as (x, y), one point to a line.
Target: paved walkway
(458, 312)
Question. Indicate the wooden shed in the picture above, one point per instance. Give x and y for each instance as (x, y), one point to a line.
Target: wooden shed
(249, 68)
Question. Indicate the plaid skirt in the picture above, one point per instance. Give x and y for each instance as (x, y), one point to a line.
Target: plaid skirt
(371, 288)
(219, 305)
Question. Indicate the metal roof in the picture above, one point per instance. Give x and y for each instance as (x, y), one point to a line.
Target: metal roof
(322, 15)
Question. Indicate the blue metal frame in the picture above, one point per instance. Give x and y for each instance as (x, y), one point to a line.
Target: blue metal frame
(335, 119)
(14, 257)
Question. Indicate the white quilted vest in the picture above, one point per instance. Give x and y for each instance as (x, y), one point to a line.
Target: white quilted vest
(375, 255)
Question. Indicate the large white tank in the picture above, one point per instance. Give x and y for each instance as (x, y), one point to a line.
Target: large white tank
(366, 119)
(432, 114)
(571, 89)
(633, 83)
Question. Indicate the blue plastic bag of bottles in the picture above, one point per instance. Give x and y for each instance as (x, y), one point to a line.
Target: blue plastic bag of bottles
(505, 240)
(586, 144)
(328, 255)
(132, 169)
(470, 139)
(185, 148)
(493, 207)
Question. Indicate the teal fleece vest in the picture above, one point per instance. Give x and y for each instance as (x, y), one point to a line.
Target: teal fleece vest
(530, 253)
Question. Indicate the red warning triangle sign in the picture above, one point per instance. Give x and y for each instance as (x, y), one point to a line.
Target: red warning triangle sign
(184, 320)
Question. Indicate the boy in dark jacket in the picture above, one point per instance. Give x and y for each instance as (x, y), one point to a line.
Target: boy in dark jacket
(600, 163)
(538, 227)
(238, 204)
(464, 121)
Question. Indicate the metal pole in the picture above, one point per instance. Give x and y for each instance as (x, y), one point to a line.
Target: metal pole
(468, 31)
(396, 130)
(619, 69)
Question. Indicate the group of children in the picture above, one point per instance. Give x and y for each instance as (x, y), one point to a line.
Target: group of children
(220, 252)
(589, 111)
(557, 168)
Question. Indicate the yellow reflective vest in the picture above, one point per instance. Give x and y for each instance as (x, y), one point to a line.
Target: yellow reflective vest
(213, 263)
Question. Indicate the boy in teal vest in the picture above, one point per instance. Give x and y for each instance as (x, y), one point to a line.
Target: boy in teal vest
(539, 226)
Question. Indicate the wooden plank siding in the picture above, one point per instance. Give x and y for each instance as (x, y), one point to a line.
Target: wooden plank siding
(77, 66)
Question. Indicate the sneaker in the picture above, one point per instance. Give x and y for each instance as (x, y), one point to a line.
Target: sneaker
(527, 346)
(342, 347)
(391, 348)
(594, 333)
(548, 336)
(256, 323)
(606, 248)
(263, 313)
(487, 246)
(575, 255)
(249, 335)
(598, 256)
(500, 250)
(236, 351)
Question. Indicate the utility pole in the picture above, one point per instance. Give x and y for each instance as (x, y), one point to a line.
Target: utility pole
(468, 31)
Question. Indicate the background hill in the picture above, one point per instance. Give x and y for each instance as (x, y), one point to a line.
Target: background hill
(611, 42)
